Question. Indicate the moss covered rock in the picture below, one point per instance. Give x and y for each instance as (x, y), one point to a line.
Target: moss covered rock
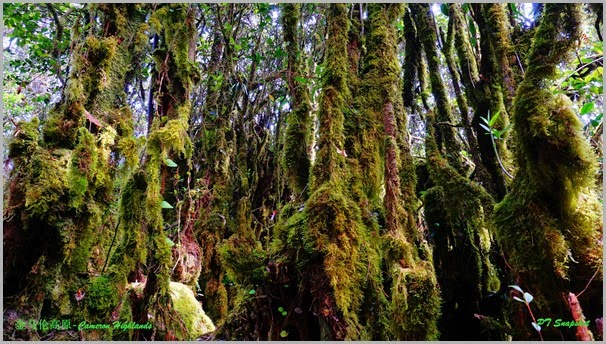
(190, 310)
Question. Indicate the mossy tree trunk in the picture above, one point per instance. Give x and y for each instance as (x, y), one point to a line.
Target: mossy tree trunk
(488, 99)
(61, 195)
(457, 213)
(484, 84)
(298, 123)
(144, 216)
(212, 143)
(413, 294)
(549, 225)
(447, 138)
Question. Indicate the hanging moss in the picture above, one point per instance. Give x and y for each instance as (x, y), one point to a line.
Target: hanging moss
(462, 241)
(415, 299)
(132, 250)
(244, 261)
(47, 185)
(550, 220)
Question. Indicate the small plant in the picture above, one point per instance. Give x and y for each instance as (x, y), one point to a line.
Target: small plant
(527, 298)
(489, 127)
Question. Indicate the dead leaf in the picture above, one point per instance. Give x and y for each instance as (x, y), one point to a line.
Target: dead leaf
(92, 118)
(342, 152)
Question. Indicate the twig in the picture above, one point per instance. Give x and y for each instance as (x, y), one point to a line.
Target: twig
(533, 319)
(452, 125)
(587, 286)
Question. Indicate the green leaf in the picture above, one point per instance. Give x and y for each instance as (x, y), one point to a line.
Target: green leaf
(252, 292)
(474, 41)
(587, 108)
(166, 205)
(170, 163)
(284, 313)
(169, 242)
(444, 9)
(527, 297)
(280, 309)
(300, 79)
(596, 121)
(488, 131)
(493, 119)
(283, 334)
(472, 28)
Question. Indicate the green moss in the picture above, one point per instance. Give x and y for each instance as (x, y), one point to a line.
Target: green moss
(498, 24)
(550, 218)
(26, 140)
(464, 49)
(291, 237)
(243, 260)
(47, 182)
(83, 167)
(131, 250)
(190, 310)
(458, 212)
(298, 123)
(447, 138)
(335, 228)
(102, 295)
(415, 299)
(329, 163)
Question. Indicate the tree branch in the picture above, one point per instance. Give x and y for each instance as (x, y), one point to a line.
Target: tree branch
(58, 39)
